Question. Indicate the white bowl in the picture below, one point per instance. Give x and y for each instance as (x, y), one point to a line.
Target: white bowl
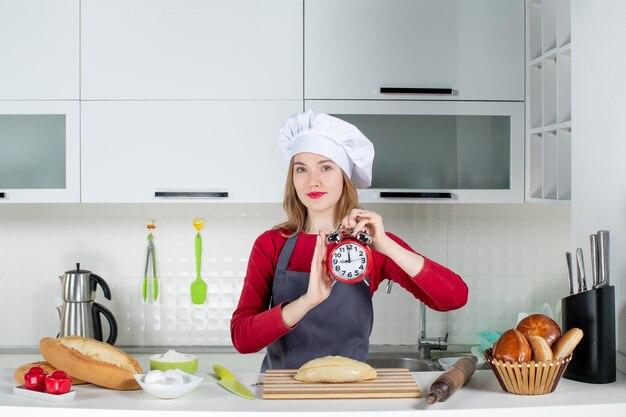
(447, 362)
(170, 391)
(478, 351)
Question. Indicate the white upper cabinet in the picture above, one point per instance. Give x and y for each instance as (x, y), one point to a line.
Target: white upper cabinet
(439, 151)
(157, 151)
(39, 151)
(191, 49)
(353, 48)
(39, 50)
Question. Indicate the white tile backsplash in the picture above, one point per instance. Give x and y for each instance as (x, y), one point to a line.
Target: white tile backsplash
(511, 257)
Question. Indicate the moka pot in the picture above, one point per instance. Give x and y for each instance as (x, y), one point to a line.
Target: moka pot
(80, 315)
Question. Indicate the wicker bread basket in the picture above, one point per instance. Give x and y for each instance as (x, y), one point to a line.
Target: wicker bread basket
(528, 378)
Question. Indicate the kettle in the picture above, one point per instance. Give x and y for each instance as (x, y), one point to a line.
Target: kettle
(80, 314)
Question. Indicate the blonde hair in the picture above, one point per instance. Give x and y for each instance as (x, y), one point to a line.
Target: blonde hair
(296, 211)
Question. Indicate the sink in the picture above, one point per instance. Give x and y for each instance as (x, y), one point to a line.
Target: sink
(412, 364)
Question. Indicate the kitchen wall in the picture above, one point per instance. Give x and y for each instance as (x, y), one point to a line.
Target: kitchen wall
(598, 145)
(511, 257)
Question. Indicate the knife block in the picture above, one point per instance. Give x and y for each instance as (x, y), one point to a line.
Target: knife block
(593, 312)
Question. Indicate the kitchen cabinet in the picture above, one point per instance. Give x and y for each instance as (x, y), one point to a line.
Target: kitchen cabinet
(548, 101)
(189, 49)
(39, 151)
(39, 50)
(439, 151)
(151, 151)
(353, 48)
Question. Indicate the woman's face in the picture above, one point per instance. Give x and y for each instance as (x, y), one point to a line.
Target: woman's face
(318, 181)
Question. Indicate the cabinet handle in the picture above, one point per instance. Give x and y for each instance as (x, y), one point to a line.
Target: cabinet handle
(401, 90)
(191, 194)
(403, 194)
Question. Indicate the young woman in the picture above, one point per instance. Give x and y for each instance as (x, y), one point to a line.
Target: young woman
(289, 303)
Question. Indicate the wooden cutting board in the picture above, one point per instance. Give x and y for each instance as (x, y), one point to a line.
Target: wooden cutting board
(389, 383)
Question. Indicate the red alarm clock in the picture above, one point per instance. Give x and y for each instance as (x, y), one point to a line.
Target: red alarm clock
(349, 258)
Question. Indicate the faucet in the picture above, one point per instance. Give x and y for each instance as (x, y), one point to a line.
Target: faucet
(426, 344)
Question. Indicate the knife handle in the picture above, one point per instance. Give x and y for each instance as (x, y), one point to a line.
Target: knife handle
(222, 373)
(570, 272)
(582, 282)
(603, 257)
(593, 240)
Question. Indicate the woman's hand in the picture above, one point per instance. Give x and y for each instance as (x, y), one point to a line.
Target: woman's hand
(320, 282)
(320, 285)
(368, 221)
(372, 224)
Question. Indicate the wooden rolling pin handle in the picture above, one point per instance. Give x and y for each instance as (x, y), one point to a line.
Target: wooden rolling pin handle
(451, 380)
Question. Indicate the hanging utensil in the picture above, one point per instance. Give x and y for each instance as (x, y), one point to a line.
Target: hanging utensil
(150, 259)
(198, 287)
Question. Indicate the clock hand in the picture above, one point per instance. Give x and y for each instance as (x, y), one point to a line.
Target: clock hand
(349, 260)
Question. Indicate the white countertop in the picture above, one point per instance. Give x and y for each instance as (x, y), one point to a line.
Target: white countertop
(481, 396)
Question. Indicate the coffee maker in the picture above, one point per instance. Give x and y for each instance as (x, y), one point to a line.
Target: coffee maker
(79, 314)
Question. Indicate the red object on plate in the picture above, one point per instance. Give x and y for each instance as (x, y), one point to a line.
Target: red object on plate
(35, 379)
(58, 383)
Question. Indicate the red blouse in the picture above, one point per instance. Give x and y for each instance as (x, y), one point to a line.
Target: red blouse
(254, 325)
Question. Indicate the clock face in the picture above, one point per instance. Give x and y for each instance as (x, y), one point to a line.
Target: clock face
(349, 261)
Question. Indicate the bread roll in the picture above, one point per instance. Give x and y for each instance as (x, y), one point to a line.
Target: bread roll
(541, 349)
(335, 369)
(512, 346)
(18, 375)
(540, 325)
(92, 361)
(566, 344)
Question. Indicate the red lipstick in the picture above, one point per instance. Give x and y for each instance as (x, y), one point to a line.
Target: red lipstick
(315, 194)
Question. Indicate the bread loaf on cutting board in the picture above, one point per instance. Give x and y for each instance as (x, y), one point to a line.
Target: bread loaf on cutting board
(92, 361)
(335, 369)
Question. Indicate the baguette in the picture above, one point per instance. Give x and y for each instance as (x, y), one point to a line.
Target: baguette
(541, 349)
(90, 360)
(566, 344)
(18, 375)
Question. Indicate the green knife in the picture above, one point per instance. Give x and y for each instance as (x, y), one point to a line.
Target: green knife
(228, 381)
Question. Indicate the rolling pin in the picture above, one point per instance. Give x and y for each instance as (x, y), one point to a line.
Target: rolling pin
(451, 380)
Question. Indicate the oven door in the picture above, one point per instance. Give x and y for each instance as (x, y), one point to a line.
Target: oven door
(439, 151)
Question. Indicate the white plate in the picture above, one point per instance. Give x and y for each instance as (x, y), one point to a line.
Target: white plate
(170, 391)
(44, 396)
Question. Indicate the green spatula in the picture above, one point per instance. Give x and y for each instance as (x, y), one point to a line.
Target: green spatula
(198, 287)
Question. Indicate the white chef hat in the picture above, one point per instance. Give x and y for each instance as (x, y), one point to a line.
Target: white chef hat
(333, 138)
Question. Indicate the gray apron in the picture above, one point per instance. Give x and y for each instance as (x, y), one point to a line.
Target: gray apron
(340, 325)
